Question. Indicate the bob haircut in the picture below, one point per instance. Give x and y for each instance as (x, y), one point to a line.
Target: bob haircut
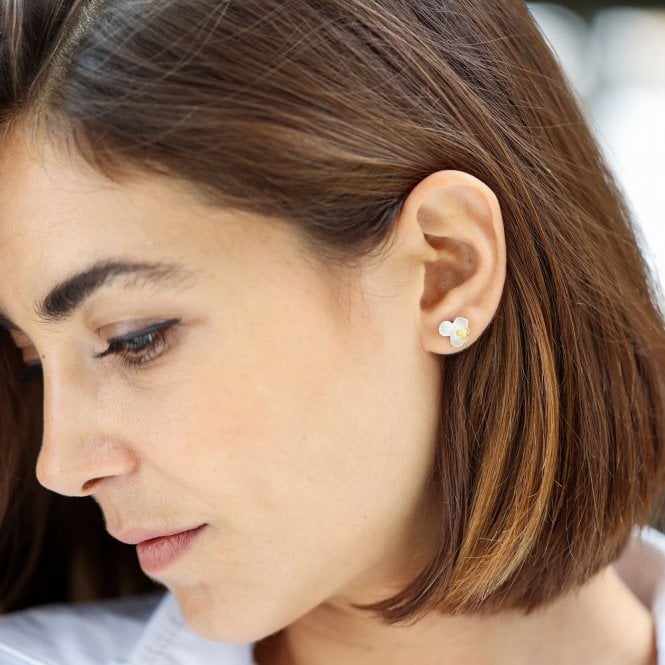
(325, 115)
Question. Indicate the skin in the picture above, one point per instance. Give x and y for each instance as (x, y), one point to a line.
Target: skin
(294, 411)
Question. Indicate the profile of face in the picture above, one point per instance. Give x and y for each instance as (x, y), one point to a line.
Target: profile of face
(202, 369)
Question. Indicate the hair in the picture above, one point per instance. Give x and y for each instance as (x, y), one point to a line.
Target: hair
(325, 115)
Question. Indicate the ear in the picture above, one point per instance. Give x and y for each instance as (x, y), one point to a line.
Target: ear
(460, 220)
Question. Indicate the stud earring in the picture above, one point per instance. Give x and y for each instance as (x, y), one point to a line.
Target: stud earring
(458, 331)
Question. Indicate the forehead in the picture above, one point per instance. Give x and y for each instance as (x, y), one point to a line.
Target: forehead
(46, 192)
(57, 216)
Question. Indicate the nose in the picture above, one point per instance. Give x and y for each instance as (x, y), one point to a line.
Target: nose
(81, 443)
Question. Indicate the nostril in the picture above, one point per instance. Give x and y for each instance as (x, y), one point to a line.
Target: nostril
(54, 474)
(74, 457)
(89, 485)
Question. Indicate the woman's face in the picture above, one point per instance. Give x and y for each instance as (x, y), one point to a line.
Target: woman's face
(246, 392)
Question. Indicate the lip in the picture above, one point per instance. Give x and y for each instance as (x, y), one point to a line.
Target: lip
(158, 549)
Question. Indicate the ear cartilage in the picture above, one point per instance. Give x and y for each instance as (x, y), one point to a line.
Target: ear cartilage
(458, 331)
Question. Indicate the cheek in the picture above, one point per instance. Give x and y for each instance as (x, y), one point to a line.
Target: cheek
(289, 421)
(274, 436)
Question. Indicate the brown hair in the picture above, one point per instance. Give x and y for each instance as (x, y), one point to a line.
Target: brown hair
(326, 114)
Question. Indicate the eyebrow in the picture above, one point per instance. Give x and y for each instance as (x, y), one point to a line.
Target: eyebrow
(65, 298)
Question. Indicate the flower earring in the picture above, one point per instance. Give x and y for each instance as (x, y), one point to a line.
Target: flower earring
(458, 331)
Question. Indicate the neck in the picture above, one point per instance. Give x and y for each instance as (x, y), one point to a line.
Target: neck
(600, 623)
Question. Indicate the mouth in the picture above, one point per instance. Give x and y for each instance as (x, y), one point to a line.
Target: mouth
(156, 551)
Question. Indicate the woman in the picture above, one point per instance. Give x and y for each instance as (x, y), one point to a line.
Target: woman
(336, 313)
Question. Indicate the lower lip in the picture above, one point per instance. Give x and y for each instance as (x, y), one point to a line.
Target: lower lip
(157, 554)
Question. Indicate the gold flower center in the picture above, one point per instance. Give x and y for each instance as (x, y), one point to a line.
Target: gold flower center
(463, 333)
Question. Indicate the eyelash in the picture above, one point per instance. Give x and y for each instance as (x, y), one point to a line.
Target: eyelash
(134, 350)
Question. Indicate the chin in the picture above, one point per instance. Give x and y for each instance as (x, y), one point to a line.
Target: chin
(228, 622)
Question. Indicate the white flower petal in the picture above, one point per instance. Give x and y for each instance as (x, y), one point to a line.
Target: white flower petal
(456, 341)
(446, 329)
(460, 322)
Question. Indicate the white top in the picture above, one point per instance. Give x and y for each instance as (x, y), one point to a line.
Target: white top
(150, 630)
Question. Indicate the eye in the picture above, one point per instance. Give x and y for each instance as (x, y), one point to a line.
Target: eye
(143, 346)
(133, 349)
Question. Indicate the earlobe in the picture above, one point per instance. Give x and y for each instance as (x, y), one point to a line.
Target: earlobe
(460, 219)
(458, 331)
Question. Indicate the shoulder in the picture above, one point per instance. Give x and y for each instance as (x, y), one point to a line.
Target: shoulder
(128, 631)
(642, 568)
(74, 633)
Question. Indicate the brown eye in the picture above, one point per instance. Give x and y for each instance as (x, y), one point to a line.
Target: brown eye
(143, 346)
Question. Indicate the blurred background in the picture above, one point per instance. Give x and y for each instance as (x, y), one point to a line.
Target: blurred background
(614, 55)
